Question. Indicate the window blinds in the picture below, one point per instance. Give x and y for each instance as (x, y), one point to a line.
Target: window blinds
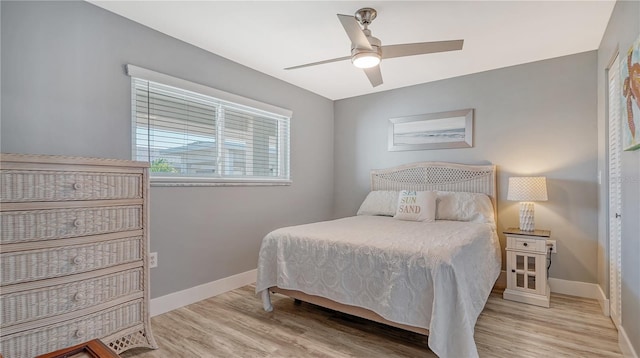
(194, 136)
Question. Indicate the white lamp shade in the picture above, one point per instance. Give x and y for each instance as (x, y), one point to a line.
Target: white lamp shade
(527, 189)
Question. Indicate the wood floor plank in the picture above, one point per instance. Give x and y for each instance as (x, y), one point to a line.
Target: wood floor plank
(235, 325)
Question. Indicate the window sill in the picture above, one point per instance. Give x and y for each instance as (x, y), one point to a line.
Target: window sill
(190, 182)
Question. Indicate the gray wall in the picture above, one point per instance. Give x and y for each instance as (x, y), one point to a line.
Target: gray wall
(532, 119)
(64, 91)
(622, 31)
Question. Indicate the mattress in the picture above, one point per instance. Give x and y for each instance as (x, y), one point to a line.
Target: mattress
(435, 275)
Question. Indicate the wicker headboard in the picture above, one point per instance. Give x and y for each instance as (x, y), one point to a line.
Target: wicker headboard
(438, 176)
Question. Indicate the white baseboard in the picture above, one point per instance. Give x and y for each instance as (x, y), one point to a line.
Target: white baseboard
(172, 301)
(160, 305)
(604, 302)
(625, 344)
(575, 288)
(567, 287)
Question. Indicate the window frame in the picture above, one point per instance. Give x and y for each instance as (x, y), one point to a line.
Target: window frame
(284, 134)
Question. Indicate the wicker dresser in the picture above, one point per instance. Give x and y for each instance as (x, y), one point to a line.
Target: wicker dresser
(73, 254)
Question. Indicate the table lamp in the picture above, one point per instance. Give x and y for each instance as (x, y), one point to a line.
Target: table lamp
(526, 190)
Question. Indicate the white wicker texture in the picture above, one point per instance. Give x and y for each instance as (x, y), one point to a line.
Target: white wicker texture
(73, 253)
(27, 185)
(35, 225)
(438, 176)
(25, 266)
(49, 338)
(26, 306)
(137, 338)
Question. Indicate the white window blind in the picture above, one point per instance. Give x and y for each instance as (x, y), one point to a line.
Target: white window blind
(195, 138)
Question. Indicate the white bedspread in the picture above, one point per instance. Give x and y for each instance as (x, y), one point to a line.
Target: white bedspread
(436, 276)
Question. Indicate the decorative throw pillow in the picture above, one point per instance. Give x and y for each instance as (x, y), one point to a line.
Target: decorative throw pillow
(416, 206)
(459, 206)
(379, 202)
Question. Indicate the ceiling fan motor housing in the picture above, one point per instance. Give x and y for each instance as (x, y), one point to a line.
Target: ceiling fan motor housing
(374, 41)
(376, 49)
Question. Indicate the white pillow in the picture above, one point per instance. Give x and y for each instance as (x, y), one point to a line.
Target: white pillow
(416, 206)
(474, 207)
(379, 202)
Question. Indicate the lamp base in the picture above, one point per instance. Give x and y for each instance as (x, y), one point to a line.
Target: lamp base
(526, 216)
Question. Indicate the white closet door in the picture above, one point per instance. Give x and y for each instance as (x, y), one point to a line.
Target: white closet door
(615, 194)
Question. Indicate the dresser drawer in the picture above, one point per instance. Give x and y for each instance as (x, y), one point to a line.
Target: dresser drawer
(50, 338)
(35, 185)
(35, 225)
(25, 306)
(25, 266)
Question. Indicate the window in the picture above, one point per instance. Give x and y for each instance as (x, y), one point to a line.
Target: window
(192, 134)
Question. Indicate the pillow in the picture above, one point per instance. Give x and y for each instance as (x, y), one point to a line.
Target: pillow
(457, 206)
(416, 206)
(379, 202)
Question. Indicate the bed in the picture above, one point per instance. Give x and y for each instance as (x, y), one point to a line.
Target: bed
(432, 278)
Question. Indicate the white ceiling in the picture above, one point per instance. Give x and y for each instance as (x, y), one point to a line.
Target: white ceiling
(269, 36)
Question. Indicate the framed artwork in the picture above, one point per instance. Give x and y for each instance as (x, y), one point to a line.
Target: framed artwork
(630, 75)
(432, 131)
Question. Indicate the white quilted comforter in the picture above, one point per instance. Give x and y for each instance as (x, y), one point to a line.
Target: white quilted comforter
(436, 276)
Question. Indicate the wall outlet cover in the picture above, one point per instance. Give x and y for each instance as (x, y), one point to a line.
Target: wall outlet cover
(153, 260)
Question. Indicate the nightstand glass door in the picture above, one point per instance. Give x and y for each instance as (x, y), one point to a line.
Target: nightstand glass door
(527, 267)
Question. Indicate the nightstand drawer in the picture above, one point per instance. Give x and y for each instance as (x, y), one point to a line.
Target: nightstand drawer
(526, 244)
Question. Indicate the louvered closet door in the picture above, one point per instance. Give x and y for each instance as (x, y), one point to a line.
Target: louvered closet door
(615, 194)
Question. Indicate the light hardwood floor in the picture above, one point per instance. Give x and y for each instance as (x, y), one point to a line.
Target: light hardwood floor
(235, 325)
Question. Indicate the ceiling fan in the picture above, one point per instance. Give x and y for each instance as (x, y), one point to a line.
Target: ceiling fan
(367, 51)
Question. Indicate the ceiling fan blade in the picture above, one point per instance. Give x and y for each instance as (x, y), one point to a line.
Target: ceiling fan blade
(320, 62)
(420, 48)
(354, 32)
(374, 75)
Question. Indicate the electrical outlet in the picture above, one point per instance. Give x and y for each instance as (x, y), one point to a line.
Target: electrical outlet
(153, 260)
(552, 244)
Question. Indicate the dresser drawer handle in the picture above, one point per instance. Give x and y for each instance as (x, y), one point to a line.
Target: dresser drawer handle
(78, 296)
(78, 260)
(77, 186)
(80, 333)
(77, 223)
(525, 244)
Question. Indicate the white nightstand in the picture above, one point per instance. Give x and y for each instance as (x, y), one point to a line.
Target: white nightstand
(526, 266)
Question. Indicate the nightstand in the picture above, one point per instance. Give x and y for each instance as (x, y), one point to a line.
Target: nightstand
(526, 266)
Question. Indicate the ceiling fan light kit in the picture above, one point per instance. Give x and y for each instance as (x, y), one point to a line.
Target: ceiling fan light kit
(367, 51)
(365, 59)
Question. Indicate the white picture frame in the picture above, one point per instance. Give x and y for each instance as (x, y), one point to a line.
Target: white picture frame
(442, 130)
